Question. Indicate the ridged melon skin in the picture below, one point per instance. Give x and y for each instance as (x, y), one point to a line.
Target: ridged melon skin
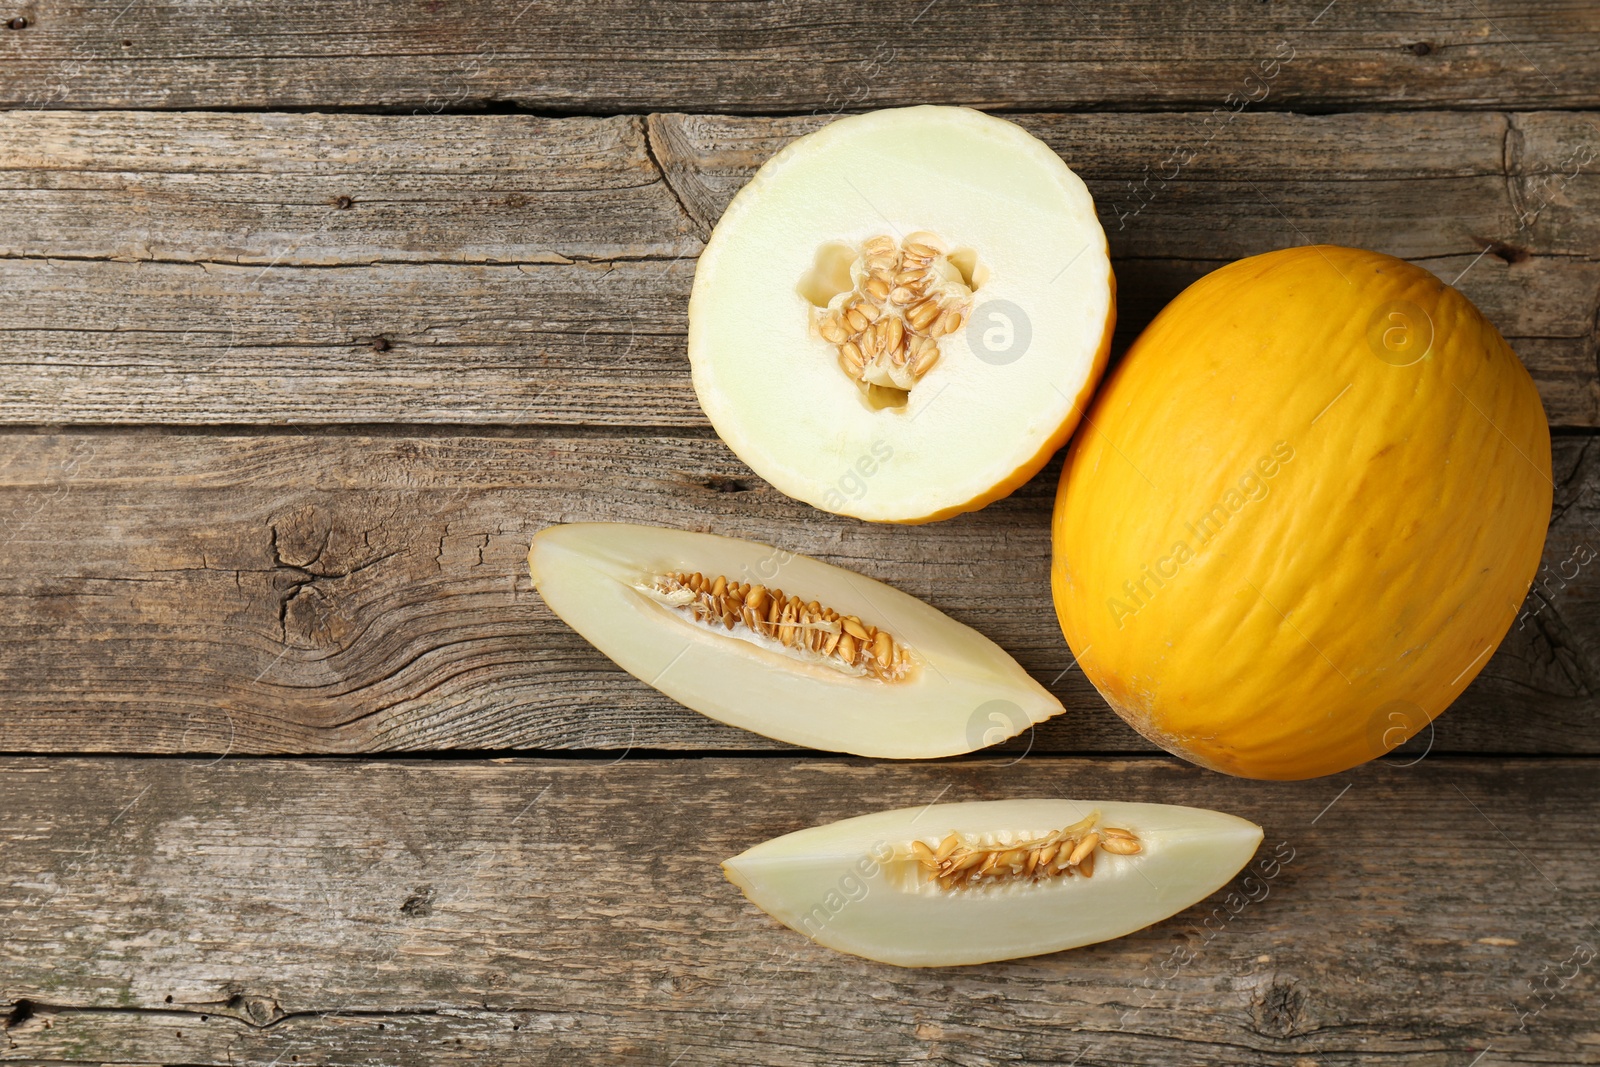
(1381, 515)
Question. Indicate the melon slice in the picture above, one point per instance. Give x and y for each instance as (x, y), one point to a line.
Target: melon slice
(784, 645)
(952, 884)
(902, 314)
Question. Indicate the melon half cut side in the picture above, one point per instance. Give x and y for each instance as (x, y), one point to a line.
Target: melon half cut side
(902, 315)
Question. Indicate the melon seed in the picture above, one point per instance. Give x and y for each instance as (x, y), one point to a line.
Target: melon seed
(886, 328)
(808, 627)
(959, 863)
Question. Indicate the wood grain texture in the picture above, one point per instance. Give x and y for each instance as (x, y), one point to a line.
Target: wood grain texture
(258, 189)
(260, 912)
(824, 55)
(487, 272)
(503, 270)
(342, 593)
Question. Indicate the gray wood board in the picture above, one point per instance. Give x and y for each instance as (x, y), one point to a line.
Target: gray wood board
(824, 55)
(266, 912)
(337, 592)
(199, 269)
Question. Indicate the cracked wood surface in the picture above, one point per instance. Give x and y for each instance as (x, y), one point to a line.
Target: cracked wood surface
(514, 269)
(823, 55)
(340, 592)
(531, 912)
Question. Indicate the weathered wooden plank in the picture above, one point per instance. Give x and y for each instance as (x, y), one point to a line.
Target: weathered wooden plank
(519, 269)
(266, 188)
(549, 344)
(823, 56)
(333, 593)
(259, 189)
(581, 343)
(264, 912)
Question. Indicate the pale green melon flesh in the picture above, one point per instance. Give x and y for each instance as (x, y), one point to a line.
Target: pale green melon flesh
(834, 884)
(770, 383)
(589, 574)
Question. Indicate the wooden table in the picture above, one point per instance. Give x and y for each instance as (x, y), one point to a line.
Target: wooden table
(313, 314)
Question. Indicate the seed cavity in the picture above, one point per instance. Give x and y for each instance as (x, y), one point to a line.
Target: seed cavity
(959, 861)
(902, 297)
(804, 630)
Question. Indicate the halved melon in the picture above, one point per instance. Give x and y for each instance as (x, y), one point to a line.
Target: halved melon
(782, 644)
(902, 314)
(950, 884)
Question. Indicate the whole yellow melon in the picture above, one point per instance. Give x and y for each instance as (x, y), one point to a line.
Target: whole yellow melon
(1301, 513)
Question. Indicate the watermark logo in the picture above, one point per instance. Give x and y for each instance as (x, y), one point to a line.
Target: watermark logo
(766, 569)
(851, 485)
(1393, 724)
(1257, 86)
(999, 332)
(1550, 983)
(1253, 888)
(851, 887)
(1400, 333)
(1139, 590)
(995, 721)
(1547, 584)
